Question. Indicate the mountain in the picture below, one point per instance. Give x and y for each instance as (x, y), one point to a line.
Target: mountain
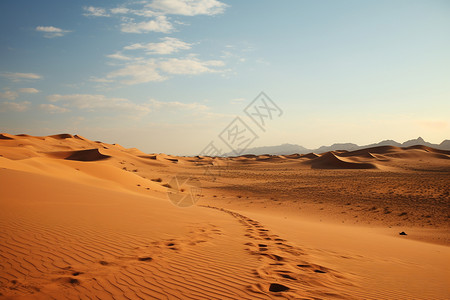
(338, 146)
(445, 145)
(286, 149)
(418, 141)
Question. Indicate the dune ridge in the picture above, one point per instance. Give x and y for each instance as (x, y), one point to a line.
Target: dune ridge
(331, 161)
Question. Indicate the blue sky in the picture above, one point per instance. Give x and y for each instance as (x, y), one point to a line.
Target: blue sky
(170, 75)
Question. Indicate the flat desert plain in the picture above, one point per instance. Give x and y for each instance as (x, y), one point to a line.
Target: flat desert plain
(89, 220)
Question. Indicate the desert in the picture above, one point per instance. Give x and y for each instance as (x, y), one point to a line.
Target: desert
(85, 219)
(225, 149)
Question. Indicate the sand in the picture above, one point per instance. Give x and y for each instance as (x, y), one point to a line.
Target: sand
(85, 219)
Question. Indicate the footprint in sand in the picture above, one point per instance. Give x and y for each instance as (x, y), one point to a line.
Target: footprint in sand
(283, 267)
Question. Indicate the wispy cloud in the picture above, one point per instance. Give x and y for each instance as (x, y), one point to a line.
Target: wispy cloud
(189, 66)
(158, 11)
(53, 109)
(14, 106)
(119, 56)
(168, 45)
(91, 102)
(138, 72)
(51, 31)
(148, 70)
(28, 90)
(159, 24)
(91, 11)
(161, 7)
(10, 95)
(156, 105)
(120, 10)
(20, 76)
(100, 80)
(153, 17)
(142, 12)
(188, 7)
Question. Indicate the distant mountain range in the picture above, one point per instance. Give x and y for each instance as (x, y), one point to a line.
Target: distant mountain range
(286, 149)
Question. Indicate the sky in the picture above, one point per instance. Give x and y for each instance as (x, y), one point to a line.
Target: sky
(172, 76)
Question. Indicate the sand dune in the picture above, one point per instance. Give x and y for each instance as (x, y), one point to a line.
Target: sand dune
(429, 149)
(5, 136)
(87, 155)
(62, 136)
(310, 155)
(80, 155)
(330, 161)
(85, 219)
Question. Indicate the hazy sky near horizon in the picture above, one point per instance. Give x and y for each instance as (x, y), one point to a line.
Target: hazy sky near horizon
(170, 75)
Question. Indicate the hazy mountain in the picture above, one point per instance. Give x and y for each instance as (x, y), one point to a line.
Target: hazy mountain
(285, 149)
(445, 145)
(338, 146)
(418, 141)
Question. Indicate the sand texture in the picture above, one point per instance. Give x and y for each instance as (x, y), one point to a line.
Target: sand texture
(81, 219)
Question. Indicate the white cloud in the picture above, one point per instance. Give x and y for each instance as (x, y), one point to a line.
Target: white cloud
(159, 24)
(140, 72)
(167, 46)
(95, 102)
(28, 90)
(20, 76)
(188, 7)
(119, 56)
(189, 66)
(144, 12)
(155, 104)
(120, 10)
(52, 32)
(143, 71)
(91, 11)
(138, 12)
(51, 108)
(10, 95)
(14, 106)
(158, 10)
(101, 80)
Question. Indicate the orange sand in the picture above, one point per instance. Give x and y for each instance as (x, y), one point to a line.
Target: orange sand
(84, 219)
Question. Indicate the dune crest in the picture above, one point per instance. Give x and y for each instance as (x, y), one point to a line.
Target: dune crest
(5, 136)
(330, 161)
(86, 155)
(61, 136)
(310, 155)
